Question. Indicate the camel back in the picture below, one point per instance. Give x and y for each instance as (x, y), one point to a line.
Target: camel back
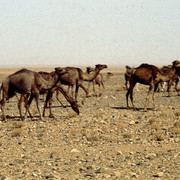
(155, 70)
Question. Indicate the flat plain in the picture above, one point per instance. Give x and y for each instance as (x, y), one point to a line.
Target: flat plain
(105, 141)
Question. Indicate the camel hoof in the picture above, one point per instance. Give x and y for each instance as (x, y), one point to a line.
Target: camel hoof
(3, 118)
(51, 116)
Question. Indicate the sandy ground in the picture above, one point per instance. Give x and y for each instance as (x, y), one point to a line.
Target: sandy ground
(105, 141)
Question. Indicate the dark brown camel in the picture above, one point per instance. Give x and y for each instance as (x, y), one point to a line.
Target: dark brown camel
(48, 76)
(26, 82)
(99, 80)
(76, 77)
(148, 75)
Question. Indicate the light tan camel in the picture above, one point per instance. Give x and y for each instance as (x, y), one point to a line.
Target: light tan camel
(99, 80)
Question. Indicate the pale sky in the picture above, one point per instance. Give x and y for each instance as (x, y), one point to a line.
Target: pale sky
(88, 32)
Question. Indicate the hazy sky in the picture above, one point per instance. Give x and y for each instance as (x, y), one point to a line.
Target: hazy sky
(87, 32)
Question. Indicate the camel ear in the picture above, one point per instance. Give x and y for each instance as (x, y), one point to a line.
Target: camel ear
(127, 67)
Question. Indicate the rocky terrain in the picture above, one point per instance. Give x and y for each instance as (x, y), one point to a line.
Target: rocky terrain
(105, 141)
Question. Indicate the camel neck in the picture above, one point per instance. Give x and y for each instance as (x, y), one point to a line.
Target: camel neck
(91, 76)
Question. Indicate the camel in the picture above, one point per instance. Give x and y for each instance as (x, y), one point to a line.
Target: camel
(128, 72)
(172, 72)
(148, 75)
(47, 76)
(26, 82)
(99, 80)
(76, 77)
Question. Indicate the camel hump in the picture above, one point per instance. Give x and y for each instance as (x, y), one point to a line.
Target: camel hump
(155, 70)
(80, 72)
(21, 71)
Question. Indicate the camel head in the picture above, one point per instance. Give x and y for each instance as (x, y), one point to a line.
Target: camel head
(60, 71)
(127, 67)
(176, 63)
(101, 66)
(75, 107)
(110, 74)
(89, 69)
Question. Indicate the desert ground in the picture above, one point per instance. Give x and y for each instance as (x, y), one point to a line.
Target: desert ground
(105, 141)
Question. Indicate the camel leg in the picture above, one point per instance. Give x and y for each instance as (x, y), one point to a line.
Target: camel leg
(85, 90)
(168, 89)
(76, 92)
(26, 106)
(151, 88)
(19, 105)
(2, 102)
(37, 104)
(88, 86)
(100, 90)
(100, 93)
(155, 90)
(48, 99)
(94, 90)
(130, 91)
(176, 84)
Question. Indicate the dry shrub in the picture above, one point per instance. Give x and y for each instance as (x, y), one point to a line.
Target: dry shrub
(84, 132)
(54, 122)
(18, 124)
(164, 113)
(121, 126)
(127, 135)
(17, 132)
(121, 88)
(151, 120)
(93, 138)
(177, 113)
(34, 110)
(99, 114)
(158, 136)
(73, 132)
(177, 124)
(176, 131)
(155, 126)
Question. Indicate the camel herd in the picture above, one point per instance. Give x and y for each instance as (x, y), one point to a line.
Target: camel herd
(151, 75)
(30, 84)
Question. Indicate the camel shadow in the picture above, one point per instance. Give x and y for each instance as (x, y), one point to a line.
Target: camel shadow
(18, 118)
(60, 106)
(136, 109)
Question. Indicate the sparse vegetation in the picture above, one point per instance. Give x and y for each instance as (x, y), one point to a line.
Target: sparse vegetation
(151, 120)
(127, 135)
(158, 136)
(177, 113)
(17, 132)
